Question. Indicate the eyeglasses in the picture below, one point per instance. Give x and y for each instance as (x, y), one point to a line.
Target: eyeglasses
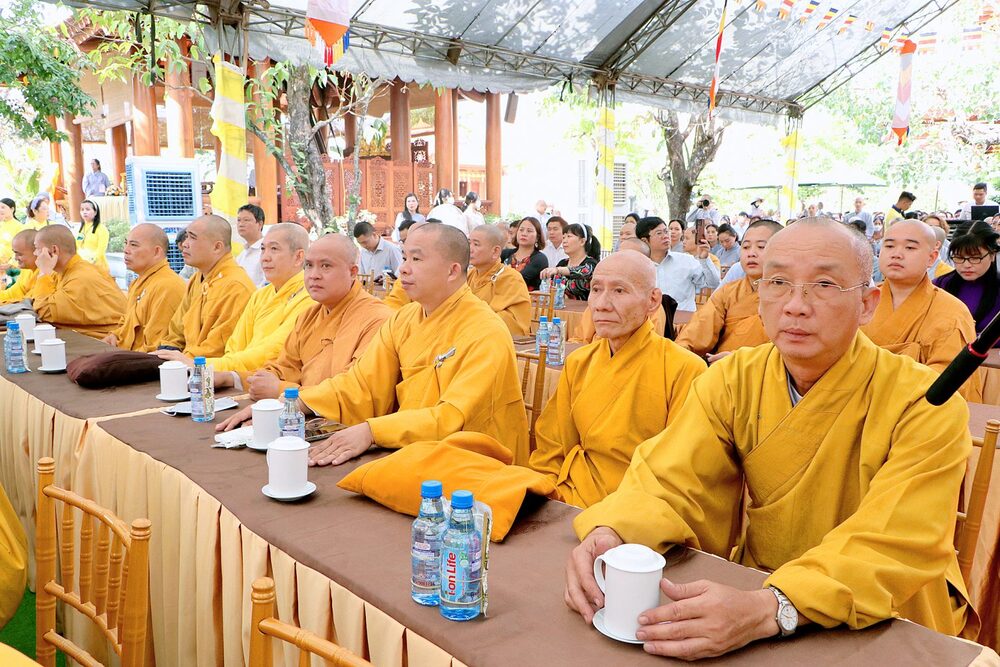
(974, 261)
(775, 289)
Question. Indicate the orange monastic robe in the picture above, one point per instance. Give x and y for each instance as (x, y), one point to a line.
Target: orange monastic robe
(728, 321)
(151, 302)
(83, 298)
(504, 290)
(397, 296)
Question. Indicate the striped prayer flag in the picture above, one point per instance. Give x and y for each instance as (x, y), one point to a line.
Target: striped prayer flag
(901, 39)
(831, 14)
(325, 27)
(883, 43)
(901, 116)
(761, 5)
(927, 42)
(810, 8)
(869, 26)
(848, 22)
(718, 53)
(229, 124)
(972, 38)
(987, 13)
(786, 9)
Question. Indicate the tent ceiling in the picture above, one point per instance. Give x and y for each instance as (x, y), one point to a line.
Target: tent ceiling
(658, 52)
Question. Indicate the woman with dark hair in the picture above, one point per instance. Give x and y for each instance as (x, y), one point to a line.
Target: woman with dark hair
(473, 218)
(584, 252)
(92, 237)
(9, 227)
(676, 228)
(411, 211)
(527, 257)
(975, 281)
(446, 211)
(38, 211)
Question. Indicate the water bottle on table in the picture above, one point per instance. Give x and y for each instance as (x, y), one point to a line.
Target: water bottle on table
(542, 335)
(202, 391)
(13, 349)
(291, 421)
(425, 545)
(461, 562)
(559, 301)
(557, 346)
(543, 286)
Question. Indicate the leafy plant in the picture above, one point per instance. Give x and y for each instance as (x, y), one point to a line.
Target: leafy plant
(23, 172)
(117, 230)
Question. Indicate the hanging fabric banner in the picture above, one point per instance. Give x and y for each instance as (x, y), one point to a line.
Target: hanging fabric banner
(791, 142)
(883, 43)
(831, 14)
(927, 42)
(869, 26)
(971, 38)
(901, 119)
(810, 8)
(848, 22)
(786, 9)
(718, 52)
(229, 124)
(606, 173)
(326, 27)
(761, 5)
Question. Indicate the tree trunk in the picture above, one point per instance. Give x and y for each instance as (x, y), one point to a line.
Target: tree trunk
(309, 178)
(362, 92)
(686, 160)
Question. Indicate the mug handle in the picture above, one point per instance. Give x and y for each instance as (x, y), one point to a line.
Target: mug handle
(599, 572)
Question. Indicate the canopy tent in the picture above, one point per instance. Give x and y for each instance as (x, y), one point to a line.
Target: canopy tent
(839, 176)
(656, 52)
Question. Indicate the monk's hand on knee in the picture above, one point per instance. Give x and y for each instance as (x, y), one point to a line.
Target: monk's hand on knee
(342, 446)
(706, 619)
(583, 595)
(236, 420)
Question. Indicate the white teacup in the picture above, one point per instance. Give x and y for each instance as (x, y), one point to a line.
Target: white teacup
(287, 465)
(173, 380)
(43, 332)
(630, 581)
(27, 323)
(53, 355)
(265, 422)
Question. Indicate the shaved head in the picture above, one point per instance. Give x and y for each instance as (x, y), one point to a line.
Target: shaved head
(217, 229)
(435, 264)
(291, 234)
(25, 236)
(486, 242)
(153, 235)
(23, 245)
(337, 244)
(491, 234)
(452, 243)
(57, 235)
(634, 244)
(909, 249)
(632, 266)
(623, 295)
(208, 239)
(921, 230)
(331, 267)
(856, 244)
(145, 247)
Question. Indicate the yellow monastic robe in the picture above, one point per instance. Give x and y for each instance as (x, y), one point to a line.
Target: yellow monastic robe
(13, 559)
(589, 428)
(397, 296)
(83, 298)
(942, 269)
(8, 230)
(931, 327)
(264, 325)
(426, 377)
(327, 341)
(852, 492)
(504, 290)
(586, 333)
(152, 299)
(93, 246)
(729, 320)
(22, 288)
(210, 310)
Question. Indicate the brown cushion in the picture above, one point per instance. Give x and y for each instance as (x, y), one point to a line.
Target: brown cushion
(113, 369)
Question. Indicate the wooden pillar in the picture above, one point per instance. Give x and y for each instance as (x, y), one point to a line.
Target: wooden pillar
(56, 157)
(180, 116)
(145, 127)
(444, 135)
(399, 122)
(494, 161)
(75, 169)
(456, 177)
(265, 165)
(119, 149)
(350, 133)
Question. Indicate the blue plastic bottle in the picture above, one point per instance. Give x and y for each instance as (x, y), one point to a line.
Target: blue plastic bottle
(557, 346)
(13, 349)
(544, 286)
(461, 562)
(202, 392)
(560, 299)
(542, 335)
(425, 545)
(291, 421)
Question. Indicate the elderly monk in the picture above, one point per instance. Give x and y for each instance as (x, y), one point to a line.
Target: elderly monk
(914, 317)
(440, 365)
(216, 294)
(271, 311)
(852, 478)
(70, 292)
(23, 246)
(153, 296)
(731, 318)
(497, 284)
(590, 427)
(329, 336)
(585, 331)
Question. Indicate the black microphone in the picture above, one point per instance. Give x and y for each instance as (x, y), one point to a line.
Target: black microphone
(965, 364)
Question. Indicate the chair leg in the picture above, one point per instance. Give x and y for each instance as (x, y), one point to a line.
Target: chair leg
(262, 597)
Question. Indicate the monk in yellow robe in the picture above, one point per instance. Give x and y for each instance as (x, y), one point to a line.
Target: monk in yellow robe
(730, 320)
(852, 478)
(70, 292)
(216, 294)
(270, 313)
(440, 365)
(329, 337)
(153, 296)
(590, 426)
(23, 245)
(914, 317)
(499, 285)
(397, 297)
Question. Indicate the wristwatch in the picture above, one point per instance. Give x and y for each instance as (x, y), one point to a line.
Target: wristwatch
(787, 616)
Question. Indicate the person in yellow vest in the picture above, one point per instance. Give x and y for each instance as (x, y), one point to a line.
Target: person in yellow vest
(440, 365)
(328, 338)
(851, 479)
(898, 210)
(589, 428)
(70, 292)
(23, 247)
(92, 239)
(731, 318)
(216, 294)
(153, 296)
(9, 227)
(498, 285)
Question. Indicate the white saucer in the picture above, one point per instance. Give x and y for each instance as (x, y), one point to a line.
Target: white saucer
(599, 624)
(52, 370)
(173, 399)
(302, 493)
(261, 448)
(38, 352)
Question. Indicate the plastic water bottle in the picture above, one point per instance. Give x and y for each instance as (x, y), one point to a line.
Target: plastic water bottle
(461, 562)
(291, 421)
(202, 392)
(425, 545)
(13, 349)
(557, 346)
(542, 335)
(560, 299)
(544, 286)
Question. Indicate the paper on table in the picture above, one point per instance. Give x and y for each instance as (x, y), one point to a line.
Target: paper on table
(184, 408)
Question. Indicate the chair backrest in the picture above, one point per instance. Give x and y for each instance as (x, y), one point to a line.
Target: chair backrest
(533, 403)
(367, 282)
(970, 521)
(113, 576)
(264, 626)
(701, 298)
(542, 303)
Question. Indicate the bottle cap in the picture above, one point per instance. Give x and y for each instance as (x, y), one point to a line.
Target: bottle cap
(431, 489)
(543, 318)
(13, 326)
(292, 392)
(556, 320)
(199, 361)
(461, 500)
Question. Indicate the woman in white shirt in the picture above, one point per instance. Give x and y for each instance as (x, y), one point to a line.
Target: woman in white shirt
(446, 211)
(473, 218)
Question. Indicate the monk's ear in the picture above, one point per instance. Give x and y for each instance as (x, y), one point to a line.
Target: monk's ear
(869, 302)
(655, 300)
(354, 271)
(934, 256)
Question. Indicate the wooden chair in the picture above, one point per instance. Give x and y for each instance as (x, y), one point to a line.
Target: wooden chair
(264, 626)
(387, 283)
(367, 282)
(542, 303)
(113, 577)
(701, 298)
(533, 404)
(970, 521)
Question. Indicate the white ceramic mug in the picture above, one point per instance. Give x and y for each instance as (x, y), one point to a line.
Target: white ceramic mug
(54, 355)
(265, 422)
(173, 380)
(288, 465)
(43, 332)
(630, 581)
(27, 323)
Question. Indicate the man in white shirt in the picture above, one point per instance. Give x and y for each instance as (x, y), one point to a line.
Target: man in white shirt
(377, 254)
(250, 227)
(704, 210)
(543, 213)
(96, 183)
(978, 199)
(678, 274)
(553, 251)
(864, 216)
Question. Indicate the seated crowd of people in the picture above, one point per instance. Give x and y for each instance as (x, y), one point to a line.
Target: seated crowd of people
(748, 436)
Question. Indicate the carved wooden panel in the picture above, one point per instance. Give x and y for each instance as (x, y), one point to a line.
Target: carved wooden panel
(423, 184)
